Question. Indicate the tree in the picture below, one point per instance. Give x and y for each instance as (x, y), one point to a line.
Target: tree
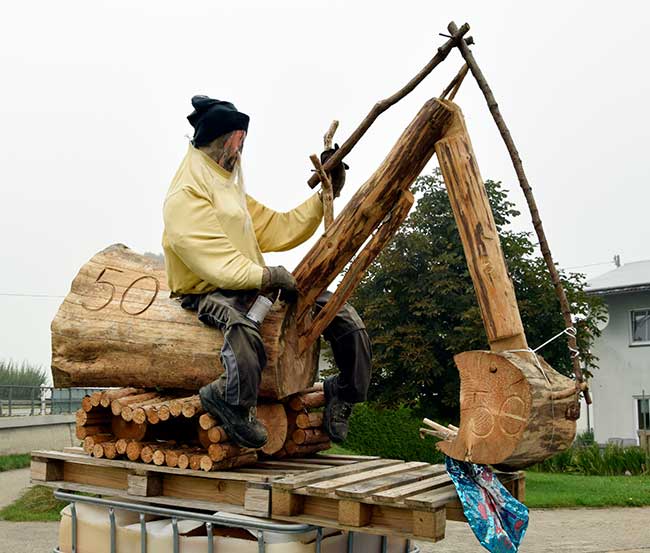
(419, 304)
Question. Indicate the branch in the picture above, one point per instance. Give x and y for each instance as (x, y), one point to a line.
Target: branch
(530, 199)
(383, 105)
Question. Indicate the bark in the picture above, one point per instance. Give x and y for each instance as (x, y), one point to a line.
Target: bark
(118, 327)
(479, 236)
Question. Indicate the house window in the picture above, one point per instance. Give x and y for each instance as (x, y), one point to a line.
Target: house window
(640, 326)
(643, 409)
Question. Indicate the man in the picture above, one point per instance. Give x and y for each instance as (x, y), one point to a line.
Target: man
(213, 241)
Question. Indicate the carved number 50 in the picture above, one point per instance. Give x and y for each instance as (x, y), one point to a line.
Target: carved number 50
(99, 280)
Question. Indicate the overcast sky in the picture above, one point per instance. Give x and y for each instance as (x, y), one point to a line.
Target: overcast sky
(94, 95)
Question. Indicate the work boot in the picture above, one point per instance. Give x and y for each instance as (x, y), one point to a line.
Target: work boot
(337, 412)
(239, 422)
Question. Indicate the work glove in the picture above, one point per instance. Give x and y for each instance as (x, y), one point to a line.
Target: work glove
(337, 174)
(278, 278)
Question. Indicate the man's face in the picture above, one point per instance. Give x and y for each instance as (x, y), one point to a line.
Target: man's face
(234, 143)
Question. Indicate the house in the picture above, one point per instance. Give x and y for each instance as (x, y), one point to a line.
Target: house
(621, 384)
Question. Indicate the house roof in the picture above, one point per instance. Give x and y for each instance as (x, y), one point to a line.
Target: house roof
(631, 277)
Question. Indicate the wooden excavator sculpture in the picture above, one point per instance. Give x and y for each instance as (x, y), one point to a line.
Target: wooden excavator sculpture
(117, 326)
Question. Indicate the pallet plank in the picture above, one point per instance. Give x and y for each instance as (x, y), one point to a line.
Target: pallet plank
(432, 500)
(361, 490)
(328, 486)
(301, 480)
(396, 494)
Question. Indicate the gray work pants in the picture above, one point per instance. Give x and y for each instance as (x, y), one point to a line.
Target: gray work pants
(243, 356)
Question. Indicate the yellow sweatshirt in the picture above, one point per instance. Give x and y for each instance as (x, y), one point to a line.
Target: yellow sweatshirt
(215, 234)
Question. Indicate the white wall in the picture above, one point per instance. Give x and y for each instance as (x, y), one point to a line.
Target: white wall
(624, 371)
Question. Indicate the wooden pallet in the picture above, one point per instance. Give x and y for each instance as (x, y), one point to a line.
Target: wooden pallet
(368, 494)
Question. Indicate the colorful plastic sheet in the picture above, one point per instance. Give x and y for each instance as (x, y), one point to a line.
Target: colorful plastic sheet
(497, 519)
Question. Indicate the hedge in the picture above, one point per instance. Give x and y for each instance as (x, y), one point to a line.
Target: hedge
(390, 433)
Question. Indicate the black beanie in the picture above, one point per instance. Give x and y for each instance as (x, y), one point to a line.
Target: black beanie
(214, 118)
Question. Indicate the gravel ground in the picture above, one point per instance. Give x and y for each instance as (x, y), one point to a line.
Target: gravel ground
(624, 530)
(12, 484)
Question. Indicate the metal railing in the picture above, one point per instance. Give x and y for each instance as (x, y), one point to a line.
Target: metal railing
(257, 526)
(40, 400)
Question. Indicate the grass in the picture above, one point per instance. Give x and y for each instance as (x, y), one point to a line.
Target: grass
(36, 504)
(338, 450)
(13, 462)
(573, 490)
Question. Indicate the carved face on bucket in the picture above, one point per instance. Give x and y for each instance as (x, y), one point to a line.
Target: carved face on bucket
(226, 149)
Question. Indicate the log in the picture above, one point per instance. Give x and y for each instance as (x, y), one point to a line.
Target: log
(137, 411)
(173, 456)
(293, 449)
(207, 464)
(149, 448)
(133, 450)
(219, 452)
(118, 404)
(86, 405)
(95, 397)
(121, 445)
(368, 207)
(309, 436)
(96, 415)
(311, 400)
(120, 293)
(508, 417)
(274, 418)
(83, 432)
(192, 407)
(110, 395)
(475, 221)
(128, 430)
(141, 413)
(185, 457)
(207, 421)
(309, 420)
(106, 449)
(90, 441)
(215, 435)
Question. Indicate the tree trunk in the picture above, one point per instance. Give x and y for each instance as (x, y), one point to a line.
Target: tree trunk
(508, 415)
(118, 327)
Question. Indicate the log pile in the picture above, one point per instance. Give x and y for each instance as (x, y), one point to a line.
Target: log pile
(165, 428)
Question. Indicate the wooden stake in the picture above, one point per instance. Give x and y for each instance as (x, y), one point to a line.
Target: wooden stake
(327, 191)
(328, 138)
(532, 205)
(383, 105)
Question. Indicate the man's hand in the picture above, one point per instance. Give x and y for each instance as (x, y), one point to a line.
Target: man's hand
(337, 175)
(278, 278)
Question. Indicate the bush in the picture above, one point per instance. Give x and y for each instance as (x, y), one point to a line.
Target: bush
(613, 460)
(390, 433)
(25, 374)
